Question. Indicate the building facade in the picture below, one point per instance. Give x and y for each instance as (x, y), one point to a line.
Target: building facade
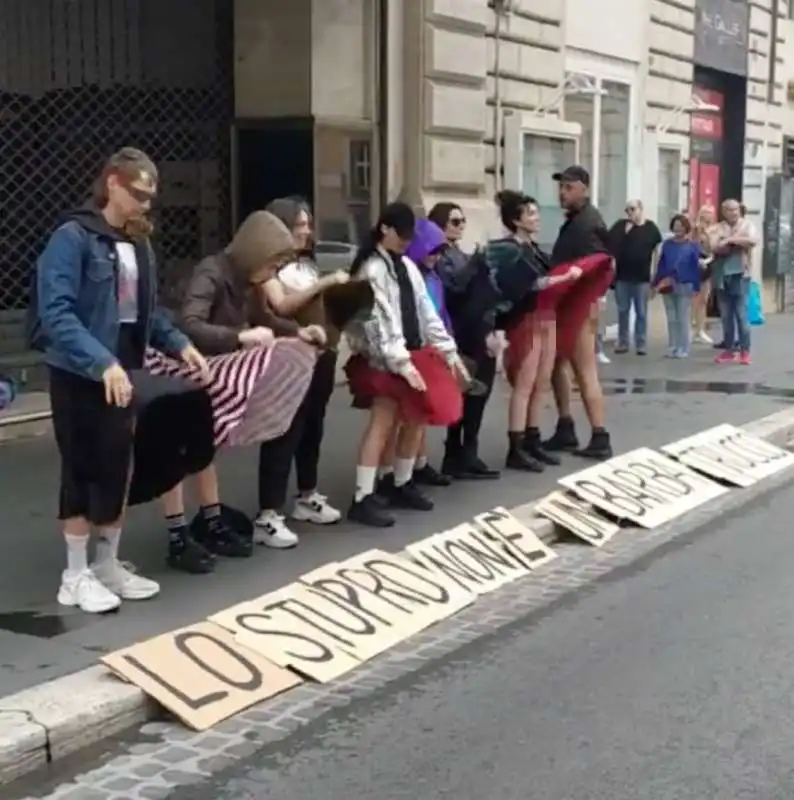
(353, 102)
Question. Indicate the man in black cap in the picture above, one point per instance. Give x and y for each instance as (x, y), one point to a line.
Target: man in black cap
(582, 234)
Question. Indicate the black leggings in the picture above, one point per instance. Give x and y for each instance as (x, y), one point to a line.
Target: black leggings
(301, 442)
(465, 435)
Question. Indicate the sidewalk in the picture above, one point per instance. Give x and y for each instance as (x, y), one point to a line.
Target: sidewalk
(651, 401)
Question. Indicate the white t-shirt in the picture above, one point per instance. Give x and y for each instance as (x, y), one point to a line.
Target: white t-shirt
(128, 282)
(299, 276)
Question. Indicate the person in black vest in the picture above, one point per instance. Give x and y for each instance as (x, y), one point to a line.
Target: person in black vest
(582, 234)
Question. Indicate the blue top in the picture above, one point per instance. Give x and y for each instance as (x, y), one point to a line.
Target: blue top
(680, 260)
(76, 299)
(428, 239)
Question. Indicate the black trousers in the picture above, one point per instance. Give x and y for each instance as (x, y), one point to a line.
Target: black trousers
(463, 438)
(301, 443)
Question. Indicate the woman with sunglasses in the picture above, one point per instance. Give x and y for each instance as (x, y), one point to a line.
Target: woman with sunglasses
(404, 366)
(461, 452)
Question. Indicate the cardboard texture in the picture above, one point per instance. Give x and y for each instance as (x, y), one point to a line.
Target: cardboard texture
(643, 486)
(200, 673)
(576, 517)
(465, 556)
(281, 626)
(731, 455)
(535, 552)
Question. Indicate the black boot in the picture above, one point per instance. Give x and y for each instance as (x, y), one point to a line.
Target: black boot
(518, 458)
(564, 437)
(428, 475)
(534, 447)
(599, 447)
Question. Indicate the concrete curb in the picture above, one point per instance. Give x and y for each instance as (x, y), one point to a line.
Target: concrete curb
(55, 719)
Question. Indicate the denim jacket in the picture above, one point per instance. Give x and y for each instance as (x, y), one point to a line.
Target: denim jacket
(76, 298)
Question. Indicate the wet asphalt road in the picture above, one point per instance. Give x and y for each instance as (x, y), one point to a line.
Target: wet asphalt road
(673, 680)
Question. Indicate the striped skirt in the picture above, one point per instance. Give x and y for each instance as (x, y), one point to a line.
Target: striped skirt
(255, 393)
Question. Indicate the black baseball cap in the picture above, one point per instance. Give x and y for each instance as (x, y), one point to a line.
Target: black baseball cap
(573, 174)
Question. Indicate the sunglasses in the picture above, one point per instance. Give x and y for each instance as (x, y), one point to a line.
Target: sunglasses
(457, 222)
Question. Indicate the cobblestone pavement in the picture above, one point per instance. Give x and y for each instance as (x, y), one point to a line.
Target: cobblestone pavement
(165, 760)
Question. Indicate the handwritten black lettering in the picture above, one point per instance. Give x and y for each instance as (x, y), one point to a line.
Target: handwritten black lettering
(622, 501)
(447, 563)
(585, 520)
(181, 643)
(504, 525)
(350, 595)
(318, 652)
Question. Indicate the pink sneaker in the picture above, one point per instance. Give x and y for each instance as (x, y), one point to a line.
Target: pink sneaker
(725, 357)
(745, 359)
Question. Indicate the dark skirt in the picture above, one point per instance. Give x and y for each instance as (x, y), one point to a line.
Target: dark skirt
(440, 405)
(166, 434)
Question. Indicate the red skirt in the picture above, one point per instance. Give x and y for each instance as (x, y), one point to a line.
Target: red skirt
(567, 303)
(440, 405)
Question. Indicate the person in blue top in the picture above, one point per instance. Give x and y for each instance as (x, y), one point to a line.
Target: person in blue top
(677, 279)
(93, 313)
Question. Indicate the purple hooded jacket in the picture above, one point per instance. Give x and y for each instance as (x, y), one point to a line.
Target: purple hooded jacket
(428, 237)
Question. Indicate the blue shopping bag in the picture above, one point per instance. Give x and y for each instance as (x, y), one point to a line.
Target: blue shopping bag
(755, 313)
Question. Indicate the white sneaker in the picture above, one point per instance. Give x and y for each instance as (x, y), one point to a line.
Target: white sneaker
(121, 579)
(602, 358)
(271, 531)
(704, 338)
(85, 591)
(316, 509)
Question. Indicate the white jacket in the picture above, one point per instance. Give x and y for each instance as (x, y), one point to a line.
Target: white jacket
(379, 337)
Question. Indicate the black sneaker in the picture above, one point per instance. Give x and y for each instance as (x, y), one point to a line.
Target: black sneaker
(187, 555)
(221, 539)
(563, 439)
(428, 475)
(598, 449)
(410, 496)
(370, 511)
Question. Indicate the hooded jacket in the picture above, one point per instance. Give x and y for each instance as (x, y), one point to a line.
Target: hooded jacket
(220, 301)
(75, 305)
(429, 238)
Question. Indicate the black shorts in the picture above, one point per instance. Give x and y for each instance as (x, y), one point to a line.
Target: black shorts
(95, 441)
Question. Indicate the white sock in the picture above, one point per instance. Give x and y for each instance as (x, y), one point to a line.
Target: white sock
(403, 470)
(421, 462)
(107, 548)
(384, 471)
(365, 481)
(76, 553)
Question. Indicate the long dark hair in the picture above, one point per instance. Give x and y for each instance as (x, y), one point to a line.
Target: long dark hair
(441, 212)
(288, 209)
(397, 215)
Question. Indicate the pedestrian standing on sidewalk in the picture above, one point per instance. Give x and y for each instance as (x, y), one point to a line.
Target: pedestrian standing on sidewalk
(634, 242)
(677, 279)
(521, 268)
(404, 367)
(734, 241)
(296, 292)
(582, 234)
(425, 250)
(461, 451)
(221, 312)
(704, 234)
(93, 312)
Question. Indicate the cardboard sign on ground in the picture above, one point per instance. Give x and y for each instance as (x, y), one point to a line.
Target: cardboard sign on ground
(576, 517)
(643, 486)
(292, 629)
(406, 594)
(529, 545)
(200, 673)
(730, 454)
(465, 555)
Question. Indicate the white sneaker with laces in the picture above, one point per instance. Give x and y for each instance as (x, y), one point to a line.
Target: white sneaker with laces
(602, 358)
(123, 581)
(85, 591)
(271, 531)
(704, 338)
(315, 508)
